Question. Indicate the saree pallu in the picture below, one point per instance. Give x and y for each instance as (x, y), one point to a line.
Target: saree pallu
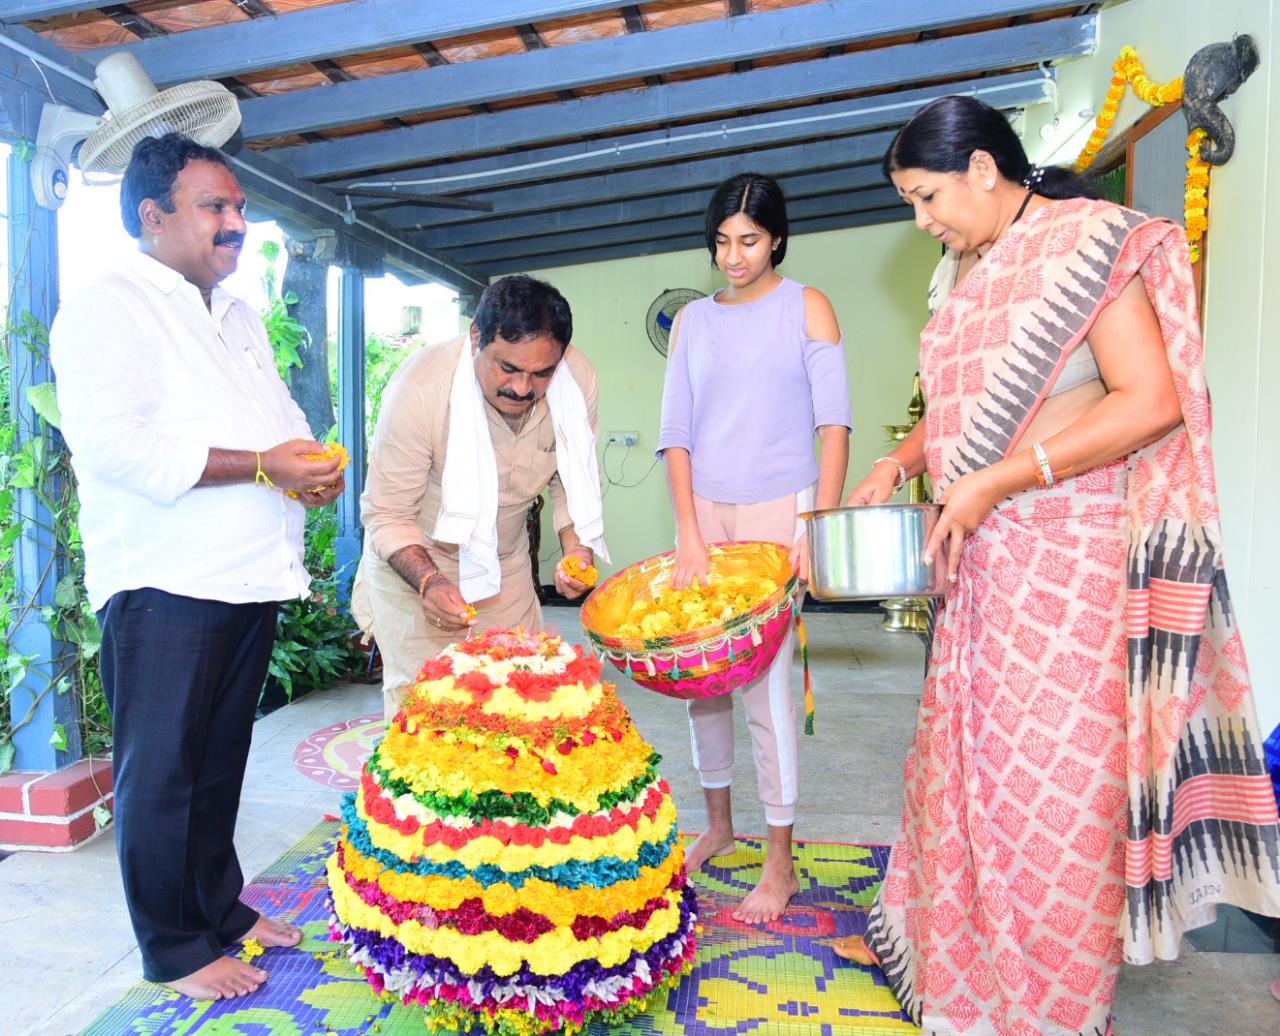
(1086, 781)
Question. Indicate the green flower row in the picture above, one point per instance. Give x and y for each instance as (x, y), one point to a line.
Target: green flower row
(520, 806)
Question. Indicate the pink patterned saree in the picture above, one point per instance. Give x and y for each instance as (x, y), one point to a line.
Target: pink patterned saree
(1086, 780)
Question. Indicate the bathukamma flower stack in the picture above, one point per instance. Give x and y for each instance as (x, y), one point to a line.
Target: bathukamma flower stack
(511, 860)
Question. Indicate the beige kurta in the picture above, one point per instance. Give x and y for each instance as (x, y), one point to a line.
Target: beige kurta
(402, 500)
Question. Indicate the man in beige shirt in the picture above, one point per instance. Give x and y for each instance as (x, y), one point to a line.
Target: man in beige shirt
(407, 591)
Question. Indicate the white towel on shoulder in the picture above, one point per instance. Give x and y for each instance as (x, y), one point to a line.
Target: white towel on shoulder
(469, 487)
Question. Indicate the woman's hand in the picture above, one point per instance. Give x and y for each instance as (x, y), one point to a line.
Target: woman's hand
(692, 561)
(876, 488)
(965, 505)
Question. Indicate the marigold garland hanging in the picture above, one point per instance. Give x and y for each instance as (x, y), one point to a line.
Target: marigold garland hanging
(1196, 211)
(1128, 69)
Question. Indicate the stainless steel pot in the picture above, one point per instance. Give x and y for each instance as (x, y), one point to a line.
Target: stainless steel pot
(869, 553)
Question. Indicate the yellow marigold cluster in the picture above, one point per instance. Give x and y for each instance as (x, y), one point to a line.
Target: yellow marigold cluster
(1196, 208)
(671, 612)
(1155, 94)
(1127, 69)
(575, 569)
(331, 451)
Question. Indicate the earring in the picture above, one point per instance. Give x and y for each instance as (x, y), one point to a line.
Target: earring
(990, 185)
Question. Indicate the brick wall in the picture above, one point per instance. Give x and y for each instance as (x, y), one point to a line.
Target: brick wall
(53, 812)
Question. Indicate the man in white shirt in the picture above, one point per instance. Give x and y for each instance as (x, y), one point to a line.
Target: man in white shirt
(184, 439)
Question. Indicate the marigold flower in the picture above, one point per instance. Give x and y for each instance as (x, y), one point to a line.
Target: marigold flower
(575, 569)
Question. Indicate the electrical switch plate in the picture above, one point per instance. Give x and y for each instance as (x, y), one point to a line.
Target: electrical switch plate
(622, 438)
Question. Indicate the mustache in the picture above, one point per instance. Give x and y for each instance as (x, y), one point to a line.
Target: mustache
(506, 393)
(228, 237)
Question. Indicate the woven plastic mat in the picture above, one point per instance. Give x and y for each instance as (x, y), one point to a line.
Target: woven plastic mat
(775, 980)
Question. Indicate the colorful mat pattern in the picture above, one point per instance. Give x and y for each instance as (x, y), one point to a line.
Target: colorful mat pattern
(782, 980)
(335, 755)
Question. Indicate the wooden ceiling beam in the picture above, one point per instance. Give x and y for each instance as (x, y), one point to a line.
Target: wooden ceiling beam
(616, 59)
(329, 31)
(880, 69)
(278, 191)
(684, 242)
(16, 11)
(798, 210)
(654, 180)
(632, 210)
(697, 140)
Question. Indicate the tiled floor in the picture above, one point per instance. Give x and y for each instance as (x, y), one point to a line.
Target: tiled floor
(66, 949)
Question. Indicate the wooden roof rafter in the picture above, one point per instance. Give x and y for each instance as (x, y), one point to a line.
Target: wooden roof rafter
(579, 121)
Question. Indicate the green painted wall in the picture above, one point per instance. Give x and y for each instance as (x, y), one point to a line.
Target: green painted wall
(1242, 294)
(875, 277)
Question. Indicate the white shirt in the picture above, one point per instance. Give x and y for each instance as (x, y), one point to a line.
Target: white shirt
(148, 380)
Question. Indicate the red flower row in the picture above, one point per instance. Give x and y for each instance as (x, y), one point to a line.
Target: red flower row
(533, 687)
(587, 927)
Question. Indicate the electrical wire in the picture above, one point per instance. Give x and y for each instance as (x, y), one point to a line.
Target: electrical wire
(611, 481)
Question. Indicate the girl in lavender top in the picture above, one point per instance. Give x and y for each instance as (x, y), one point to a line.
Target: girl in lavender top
(755, 371)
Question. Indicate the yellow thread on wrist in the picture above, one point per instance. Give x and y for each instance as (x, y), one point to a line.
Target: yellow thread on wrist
(261, 478)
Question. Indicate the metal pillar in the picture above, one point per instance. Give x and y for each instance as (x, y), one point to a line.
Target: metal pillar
(48, 716)
(351, 421)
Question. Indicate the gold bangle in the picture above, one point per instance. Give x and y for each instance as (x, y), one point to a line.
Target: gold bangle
(261, 478)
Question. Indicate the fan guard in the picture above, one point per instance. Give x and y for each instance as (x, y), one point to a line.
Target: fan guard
(203, 110)
(662, 313)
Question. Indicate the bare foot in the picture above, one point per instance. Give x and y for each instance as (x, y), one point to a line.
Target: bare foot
(705, 846)
(271, 932)
(852, 947)
(222, 979)
(768, 900)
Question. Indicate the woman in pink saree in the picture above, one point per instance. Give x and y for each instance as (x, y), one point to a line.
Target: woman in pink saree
(1086, 781)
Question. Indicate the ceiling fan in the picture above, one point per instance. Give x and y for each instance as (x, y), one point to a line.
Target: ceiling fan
(203, 110)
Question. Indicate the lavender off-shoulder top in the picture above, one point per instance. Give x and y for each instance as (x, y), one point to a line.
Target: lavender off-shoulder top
(746, 388)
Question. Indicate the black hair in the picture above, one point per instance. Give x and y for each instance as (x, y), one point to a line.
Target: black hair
(519, 307)
(153, 166)
(941, 137)
(757, 197)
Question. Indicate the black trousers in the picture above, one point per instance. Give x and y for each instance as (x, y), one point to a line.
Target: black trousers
(182, 677)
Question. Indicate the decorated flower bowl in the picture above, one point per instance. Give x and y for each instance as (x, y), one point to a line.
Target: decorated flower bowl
(712, 659)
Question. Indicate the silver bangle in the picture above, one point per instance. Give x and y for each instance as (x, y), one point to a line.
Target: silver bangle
(901, 480)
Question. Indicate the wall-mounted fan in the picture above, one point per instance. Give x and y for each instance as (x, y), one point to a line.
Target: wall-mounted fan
(203, 110)
(662, 313)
